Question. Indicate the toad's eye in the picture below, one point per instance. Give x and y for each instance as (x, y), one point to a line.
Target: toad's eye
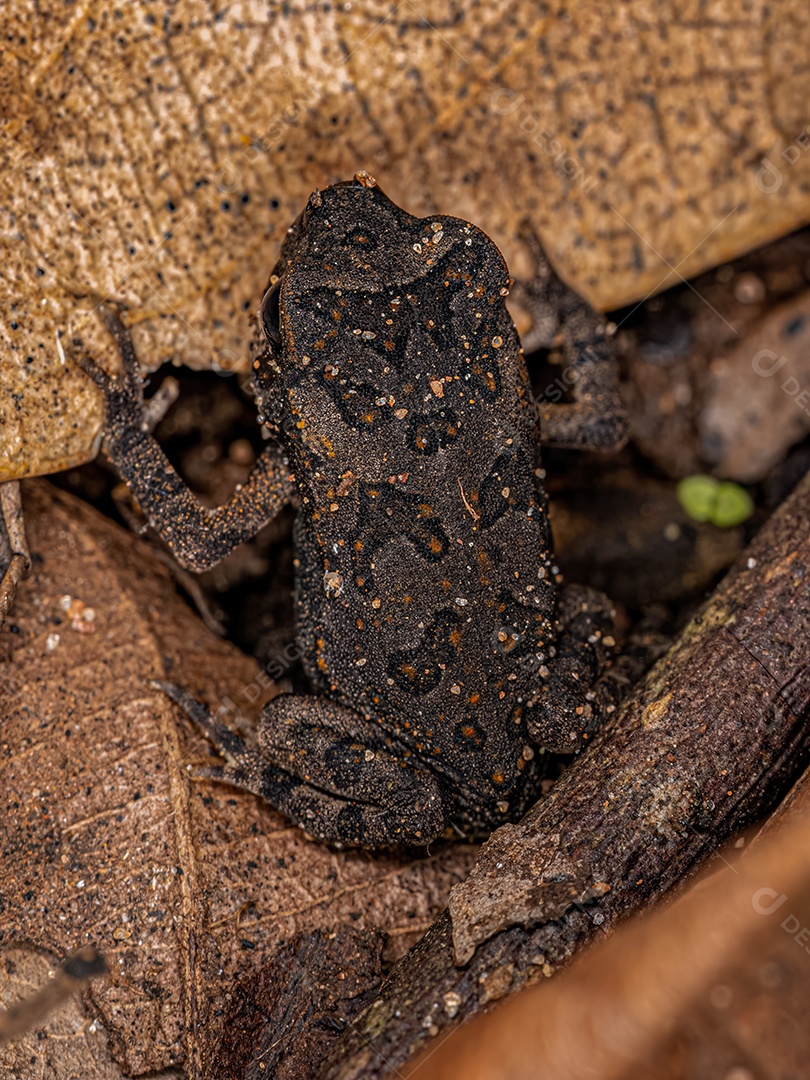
(270, 314)
(360, 240)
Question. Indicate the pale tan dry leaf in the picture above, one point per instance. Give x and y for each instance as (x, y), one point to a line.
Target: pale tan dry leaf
(156, 154)
(185, 885)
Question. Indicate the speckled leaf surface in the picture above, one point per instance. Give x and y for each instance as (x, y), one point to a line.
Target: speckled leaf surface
(185, 885)
(154, 154)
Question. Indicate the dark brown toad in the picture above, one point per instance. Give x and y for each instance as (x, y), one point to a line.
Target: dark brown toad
(442, 655)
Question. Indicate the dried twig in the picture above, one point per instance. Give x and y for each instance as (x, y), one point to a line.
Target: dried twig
(621, 1008)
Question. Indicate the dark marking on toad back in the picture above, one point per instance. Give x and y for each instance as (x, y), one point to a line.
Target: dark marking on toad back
(426, 603)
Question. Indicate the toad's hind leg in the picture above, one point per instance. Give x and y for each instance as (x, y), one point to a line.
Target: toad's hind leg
(330, 770)
(567, 708)
(588, 677)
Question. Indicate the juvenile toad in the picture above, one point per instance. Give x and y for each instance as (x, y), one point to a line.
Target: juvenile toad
(442, 655)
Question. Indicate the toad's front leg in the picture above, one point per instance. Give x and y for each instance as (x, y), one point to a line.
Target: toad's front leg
(329, 769)
(595, 420)
(197, 537)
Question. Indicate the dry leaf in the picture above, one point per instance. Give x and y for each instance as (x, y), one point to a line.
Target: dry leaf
(156, 155)
(185, 885)
(282, 1021)
(757, 403)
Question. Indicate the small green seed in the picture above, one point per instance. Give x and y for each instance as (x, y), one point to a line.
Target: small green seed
(697, 495)
(725, 504)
